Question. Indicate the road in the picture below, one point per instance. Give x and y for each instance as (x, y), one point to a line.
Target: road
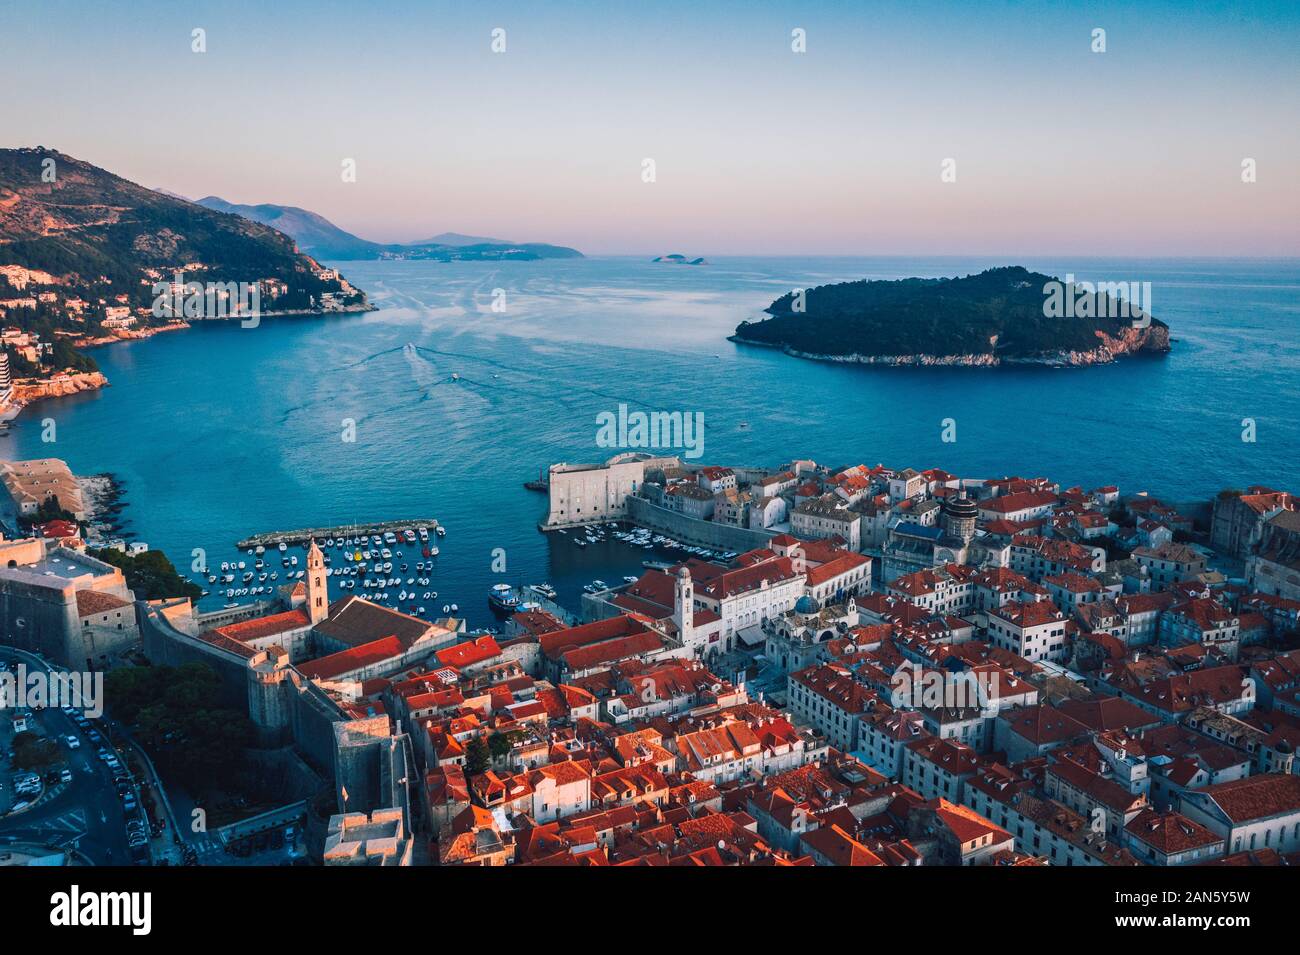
(86, 815)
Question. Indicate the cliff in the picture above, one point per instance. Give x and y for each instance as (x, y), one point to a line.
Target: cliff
(57, 386)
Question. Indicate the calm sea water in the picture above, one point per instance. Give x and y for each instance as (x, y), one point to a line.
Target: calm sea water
(221, 432)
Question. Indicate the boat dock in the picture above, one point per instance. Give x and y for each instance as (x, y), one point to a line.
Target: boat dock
(341, 530)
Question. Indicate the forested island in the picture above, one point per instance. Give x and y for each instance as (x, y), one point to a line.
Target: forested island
(1005, 315)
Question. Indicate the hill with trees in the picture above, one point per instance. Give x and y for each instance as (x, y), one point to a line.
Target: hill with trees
(1000, 316)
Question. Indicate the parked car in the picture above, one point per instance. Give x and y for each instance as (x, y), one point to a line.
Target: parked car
(73, 742)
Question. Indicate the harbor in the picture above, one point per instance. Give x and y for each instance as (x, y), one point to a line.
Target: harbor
(369, 556)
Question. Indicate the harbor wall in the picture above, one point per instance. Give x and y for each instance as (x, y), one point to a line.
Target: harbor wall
(691, 530)
(271, 539)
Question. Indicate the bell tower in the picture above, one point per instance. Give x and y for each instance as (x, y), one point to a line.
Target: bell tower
(684, 605)
(318, 601)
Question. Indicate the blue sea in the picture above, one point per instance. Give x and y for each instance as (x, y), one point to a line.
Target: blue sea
(221, 431)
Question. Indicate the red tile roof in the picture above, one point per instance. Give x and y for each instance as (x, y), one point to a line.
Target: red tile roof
(555, 644)
(609, 651)
(92, 602)
(353, 658)
(461, 655)
(1256, 797)
(260, 627)
(840, 565)
(1020, 501)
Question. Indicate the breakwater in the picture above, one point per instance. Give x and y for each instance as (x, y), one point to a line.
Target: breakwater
(340, 530)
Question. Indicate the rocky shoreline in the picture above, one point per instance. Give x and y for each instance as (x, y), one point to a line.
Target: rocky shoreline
(103, 495)
(129, 335)
(1153, 340)
(26, 392)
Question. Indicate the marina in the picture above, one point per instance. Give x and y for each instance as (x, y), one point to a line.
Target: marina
(391, 563)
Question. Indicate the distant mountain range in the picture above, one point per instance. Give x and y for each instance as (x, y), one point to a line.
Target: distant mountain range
(321, 238)
(314, 234)
(455, 238)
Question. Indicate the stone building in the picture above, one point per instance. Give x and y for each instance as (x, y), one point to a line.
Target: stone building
(379, 838)
(71, 608)
(30, 483)
(583, 493)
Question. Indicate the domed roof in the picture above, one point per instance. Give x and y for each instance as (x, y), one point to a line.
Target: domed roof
(805, 604)
(960, 506)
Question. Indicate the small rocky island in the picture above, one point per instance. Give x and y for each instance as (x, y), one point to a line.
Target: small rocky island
(1006, 315)
(676, 258)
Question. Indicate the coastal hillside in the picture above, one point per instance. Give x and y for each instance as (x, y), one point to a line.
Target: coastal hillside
(996, 317)
(319, 237)
(88, 258)
(91, 229)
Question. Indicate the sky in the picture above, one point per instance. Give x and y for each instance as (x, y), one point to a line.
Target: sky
(757, 149)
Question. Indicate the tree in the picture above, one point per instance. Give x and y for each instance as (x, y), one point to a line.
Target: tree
(51, 510)
(150, 574)
(174, 714)
(64, 355)
(499, 744)
(32, 752)
(477, 757)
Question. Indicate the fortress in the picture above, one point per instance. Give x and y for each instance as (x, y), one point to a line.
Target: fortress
(588, 493)
(297, 665)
